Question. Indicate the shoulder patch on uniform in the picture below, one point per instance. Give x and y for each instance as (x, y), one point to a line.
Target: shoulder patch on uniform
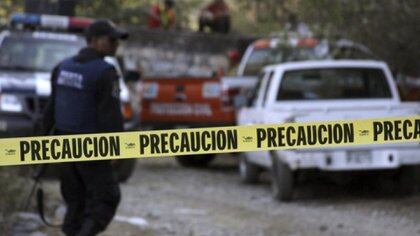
(70, 79)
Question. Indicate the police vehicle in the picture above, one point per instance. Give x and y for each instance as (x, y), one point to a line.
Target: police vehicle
(29, 49)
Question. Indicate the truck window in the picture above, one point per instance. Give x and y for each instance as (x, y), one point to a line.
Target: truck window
(253, 94)
(333, 83)
(262, 57)
(35, 54)
(267, 86)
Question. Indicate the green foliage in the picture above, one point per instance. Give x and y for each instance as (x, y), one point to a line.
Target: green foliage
(248, 16)
(136, 12)
(120, 11)
(9, 6)
(187, 12)
(261, 17)
(389, 28)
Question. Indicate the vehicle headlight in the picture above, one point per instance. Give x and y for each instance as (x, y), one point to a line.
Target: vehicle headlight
(127, 111)
(10, 103)
(211, 90)
(150, 90)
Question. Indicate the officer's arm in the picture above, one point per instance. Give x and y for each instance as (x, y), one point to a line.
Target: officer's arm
(108, 107)
(48, 116)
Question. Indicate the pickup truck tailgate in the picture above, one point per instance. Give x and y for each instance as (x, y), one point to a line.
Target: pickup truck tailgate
(185, 101)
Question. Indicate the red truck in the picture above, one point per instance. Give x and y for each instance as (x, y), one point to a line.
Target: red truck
(186, 102)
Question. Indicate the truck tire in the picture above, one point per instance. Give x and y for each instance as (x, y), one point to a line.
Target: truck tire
(124, 169)
(195, 161)
(248, 171)
(282, 179)
(408, 179)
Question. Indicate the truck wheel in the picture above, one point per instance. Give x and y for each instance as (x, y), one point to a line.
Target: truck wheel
(408, 179)
(282, 179)
(195, 161)
(124, 169)
(249, 172)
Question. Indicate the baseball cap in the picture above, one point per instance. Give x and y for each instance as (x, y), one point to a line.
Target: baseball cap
(105, 28)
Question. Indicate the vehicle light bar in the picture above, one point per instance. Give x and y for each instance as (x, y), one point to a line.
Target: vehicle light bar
(25, 19)
(80, 23)
(55, 22)
(307, 42)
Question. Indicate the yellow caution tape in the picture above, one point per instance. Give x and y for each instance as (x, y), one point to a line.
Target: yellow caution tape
(112, 146)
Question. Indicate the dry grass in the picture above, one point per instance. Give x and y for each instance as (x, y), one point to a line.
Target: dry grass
(13, 188)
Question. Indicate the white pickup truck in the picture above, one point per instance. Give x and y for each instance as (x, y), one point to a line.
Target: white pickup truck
(324, 91)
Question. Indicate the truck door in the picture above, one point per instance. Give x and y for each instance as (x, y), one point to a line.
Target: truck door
(256, 115)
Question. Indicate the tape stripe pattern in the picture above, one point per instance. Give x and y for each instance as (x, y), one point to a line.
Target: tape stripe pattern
(140, 144)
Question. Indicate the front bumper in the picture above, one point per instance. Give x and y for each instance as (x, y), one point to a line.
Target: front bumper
(132, 124)
(16, 126)
(353, 159)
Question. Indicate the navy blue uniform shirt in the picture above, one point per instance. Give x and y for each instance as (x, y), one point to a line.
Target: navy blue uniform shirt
(108, 107)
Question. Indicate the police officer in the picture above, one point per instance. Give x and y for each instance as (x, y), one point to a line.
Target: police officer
(85, 99)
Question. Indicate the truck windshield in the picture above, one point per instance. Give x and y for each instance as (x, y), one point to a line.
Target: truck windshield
(333, 83)
(262, 57)
(35, 54)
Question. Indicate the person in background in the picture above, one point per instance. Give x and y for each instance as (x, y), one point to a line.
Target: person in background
(162, 16)
(234, 59)
(85, 99)
(215, 16)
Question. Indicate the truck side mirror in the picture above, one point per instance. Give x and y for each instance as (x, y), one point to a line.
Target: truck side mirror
(132, 76)
(251, 96)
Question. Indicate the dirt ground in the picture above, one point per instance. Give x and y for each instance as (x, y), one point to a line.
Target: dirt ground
(163, 198)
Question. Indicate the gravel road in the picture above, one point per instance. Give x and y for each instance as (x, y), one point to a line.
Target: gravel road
(163, 198)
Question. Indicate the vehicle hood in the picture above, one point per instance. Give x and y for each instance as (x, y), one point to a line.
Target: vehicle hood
(230, 82)
(25, 82)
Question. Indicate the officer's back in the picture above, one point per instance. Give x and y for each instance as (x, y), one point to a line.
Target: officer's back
(85, 99)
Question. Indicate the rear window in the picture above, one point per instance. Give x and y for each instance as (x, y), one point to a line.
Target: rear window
(333, 83)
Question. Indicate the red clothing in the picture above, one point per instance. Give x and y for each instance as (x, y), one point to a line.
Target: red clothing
(161, 17)
(218, 9)
(154, 18)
